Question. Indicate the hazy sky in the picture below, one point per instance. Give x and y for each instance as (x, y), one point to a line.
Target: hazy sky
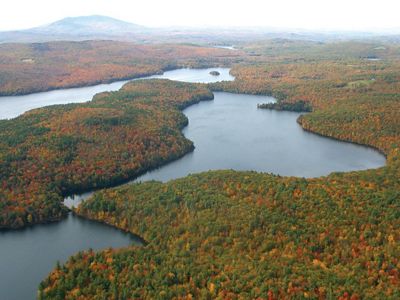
(308, 14)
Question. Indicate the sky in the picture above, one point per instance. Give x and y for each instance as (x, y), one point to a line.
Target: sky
(359, 15)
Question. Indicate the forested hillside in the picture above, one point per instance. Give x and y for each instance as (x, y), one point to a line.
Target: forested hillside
(243, 235)
(28, 68)
(53, 151)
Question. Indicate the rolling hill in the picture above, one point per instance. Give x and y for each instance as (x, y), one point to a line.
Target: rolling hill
(77, 28)
(89, 25)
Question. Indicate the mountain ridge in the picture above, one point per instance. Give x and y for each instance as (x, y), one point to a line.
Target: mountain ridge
(77, 29)
(86, 25)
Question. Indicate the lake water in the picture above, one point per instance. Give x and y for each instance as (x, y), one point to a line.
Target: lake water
(28, 255)
(232, 133)
(228, 132)
(13, 106)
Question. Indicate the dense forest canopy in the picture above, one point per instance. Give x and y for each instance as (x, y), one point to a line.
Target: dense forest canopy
(243, 235)
(28, 68)
(57, 150)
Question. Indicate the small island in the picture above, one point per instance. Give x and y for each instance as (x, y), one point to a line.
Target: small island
(215, 73)
(298, 106)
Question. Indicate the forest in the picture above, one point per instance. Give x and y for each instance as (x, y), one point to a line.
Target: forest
(29, 68)
(221, 234)
(243, 235)
(50, 152)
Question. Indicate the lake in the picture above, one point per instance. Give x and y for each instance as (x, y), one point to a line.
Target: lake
(28, 255)
(13, 106)
(232, 133)
(228, 133)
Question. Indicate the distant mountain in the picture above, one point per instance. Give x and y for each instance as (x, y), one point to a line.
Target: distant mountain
(77, 28)
(89, 25)
(106, 28)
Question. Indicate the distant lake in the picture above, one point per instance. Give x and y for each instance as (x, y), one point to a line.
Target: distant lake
(225, 47)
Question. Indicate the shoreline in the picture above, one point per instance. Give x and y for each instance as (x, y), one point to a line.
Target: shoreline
(342, 140)
(108, 81)
(87, 84)
(143, 242)
(121, 180)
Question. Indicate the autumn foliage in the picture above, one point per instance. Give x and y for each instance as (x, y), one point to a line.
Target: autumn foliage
(28, 68)
(53, 151)
(243, 235)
